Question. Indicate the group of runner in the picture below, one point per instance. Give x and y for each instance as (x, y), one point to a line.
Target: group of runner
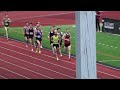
(55, 36)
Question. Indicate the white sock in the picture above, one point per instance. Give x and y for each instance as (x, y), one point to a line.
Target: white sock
(57, 59)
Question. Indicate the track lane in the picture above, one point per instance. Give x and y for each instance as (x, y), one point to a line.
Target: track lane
(35, 61)
(99, 73)
(34, 67)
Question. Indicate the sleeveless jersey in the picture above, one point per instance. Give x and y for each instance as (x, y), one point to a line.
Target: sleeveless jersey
(6, 22)
(55, 39)
(31, 31)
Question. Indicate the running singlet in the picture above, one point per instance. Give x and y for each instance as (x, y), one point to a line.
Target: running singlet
(60, 35)
(31, 31)
(67, 37)
(38, 34)
(51, 34)
(55, 39)
(6, 22)
(26, 30)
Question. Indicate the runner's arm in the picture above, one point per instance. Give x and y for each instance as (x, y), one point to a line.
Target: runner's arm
(49, 35)
(9, 20)
(52, 38)
(34, 32)
(23, 30)
(3, 21)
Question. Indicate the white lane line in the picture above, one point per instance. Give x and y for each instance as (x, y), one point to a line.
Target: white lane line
(41, 54)
(38, 59)
(3, 77)
(25, 69)
(107, 45)
(108, 67)
(108, 60)
(111, 46)
(108, 74)
(37, 65)
(74, 57)
(99, 43)
(103, 44)
(41, 16)
(14, 72)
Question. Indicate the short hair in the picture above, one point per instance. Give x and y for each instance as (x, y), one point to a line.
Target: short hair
(6, 14)
(26, 22)
(58, 28)
(37, 22)
(31, 23)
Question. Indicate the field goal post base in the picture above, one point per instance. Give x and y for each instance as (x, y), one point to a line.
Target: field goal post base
(85, 45)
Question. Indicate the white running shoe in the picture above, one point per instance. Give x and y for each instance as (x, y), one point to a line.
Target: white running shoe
(57, 59)
(26, 46)
(41, 47)
(39, 51)
(32, 50)
(61, 55)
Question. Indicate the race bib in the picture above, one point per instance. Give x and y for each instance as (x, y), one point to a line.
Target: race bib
(31, 33)
(6, 23)
(39, 36)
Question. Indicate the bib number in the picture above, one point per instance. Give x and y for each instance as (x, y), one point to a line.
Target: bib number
(31, 33)
(38, 36)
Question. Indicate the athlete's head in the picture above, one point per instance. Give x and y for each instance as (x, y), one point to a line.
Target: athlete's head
(6, 15)
(30, 24)
(67, 30)
(27, 24)
(37, 23)
(55, 32)
(53, 26)
(58, 29)
(51, 29)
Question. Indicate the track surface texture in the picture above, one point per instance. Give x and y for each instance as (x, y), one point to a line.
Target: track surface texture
(19, 62)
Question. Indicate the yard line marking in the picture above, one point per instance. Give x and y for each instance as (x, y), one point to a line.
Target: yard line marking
(108, 45)
(26, 69)
(39, 59)
(14, 72)
(36, 65)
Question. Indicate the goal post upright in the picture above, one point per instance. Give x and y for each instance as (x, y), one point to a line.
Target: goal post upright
(85, 45)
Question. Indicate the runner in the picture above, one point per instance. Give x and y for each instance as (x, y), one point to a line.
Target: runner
(55, 39)
(60, 35)
(67, 43)
(31, 35)
(6, 21)
(50, 34)
(38, 35)
(38, 25)
(26, 33)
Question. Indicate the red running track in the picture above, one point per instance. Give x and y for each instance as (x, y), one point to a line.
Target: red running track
(18, 62)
